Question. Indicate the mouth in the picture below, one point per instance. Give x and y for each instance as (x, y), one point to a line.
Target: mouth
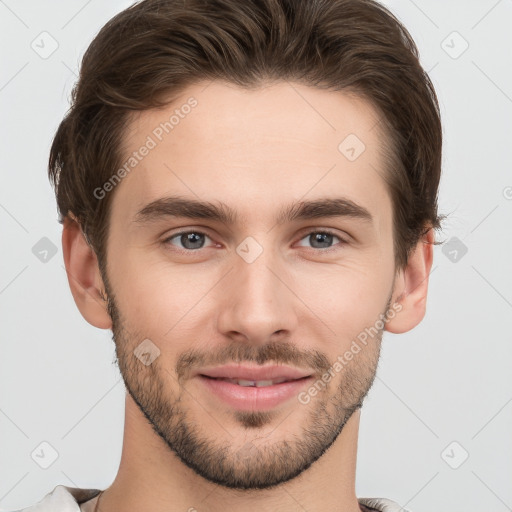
(251, 395)
(255, 383)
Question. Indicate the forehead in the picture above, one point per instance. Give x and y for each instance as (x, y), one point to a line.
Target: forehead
(253, 148)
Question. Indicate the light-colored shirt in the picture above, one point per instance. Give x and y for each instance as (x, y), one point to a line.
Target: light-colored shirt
(74, 499)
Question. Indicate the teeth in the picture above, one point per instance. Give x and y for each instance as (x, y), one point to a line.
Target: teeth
(262, 383)
(256, 383)
(242, 382)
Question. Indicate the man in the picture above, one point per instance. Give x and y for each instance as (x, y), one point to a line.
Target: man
(248, 192)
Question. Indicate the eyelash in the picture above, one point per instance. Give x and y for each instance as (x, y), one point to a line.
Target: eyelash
(342, 241)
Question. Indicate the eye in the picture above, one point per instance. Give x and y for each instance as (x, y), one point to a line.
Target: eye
(322, 239)
(189, 240)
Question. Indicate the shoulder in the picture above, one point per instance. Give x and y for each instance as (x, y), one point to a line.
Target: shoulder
(62, 499)
(381, 505)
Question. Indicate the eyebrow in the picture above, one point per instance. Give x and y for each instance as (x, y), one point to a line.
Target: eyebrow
(175, 206)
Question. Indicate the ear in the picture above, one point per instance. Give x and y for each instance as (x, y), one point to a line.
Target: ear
(84, 276)
(411, 286)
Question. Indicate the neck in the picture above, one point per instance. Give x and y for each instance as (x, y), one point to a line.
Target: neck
(152, 477)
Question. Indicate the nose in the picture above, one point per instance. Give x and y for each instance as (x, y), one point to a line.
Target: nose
(256, 302)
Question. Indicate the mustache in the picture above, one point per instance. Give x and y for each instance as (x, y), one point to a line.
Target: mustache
(272, 352)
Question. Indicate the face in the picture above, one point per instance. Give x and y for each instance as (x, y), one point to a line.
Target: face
(287, 264)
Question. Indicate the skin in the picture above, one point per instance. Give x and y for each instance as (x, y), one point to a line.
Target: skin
(255, 151)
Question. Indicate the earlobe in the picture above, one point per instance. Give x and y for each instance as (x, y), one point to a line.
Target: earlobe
(84, 276)
(411, 287)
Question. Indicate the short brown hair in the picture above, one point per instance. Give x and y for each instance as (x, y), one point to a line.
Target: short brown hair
(156, 48)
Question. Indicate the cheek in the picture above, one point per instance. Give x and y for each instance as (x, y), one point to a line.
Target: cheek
(348, 298)
(166, 301)
(156, 298)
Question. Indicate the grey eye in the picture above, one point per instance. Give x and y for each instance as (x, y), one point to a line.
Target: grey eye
(189, 240)
(321, 239)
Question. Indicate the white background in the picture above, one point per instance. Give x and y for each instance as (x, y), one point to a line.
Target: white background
(448, 380)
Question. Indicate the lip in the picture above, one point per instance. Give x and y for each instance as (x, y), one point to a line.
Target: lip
(250, 398)
(246, 372)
